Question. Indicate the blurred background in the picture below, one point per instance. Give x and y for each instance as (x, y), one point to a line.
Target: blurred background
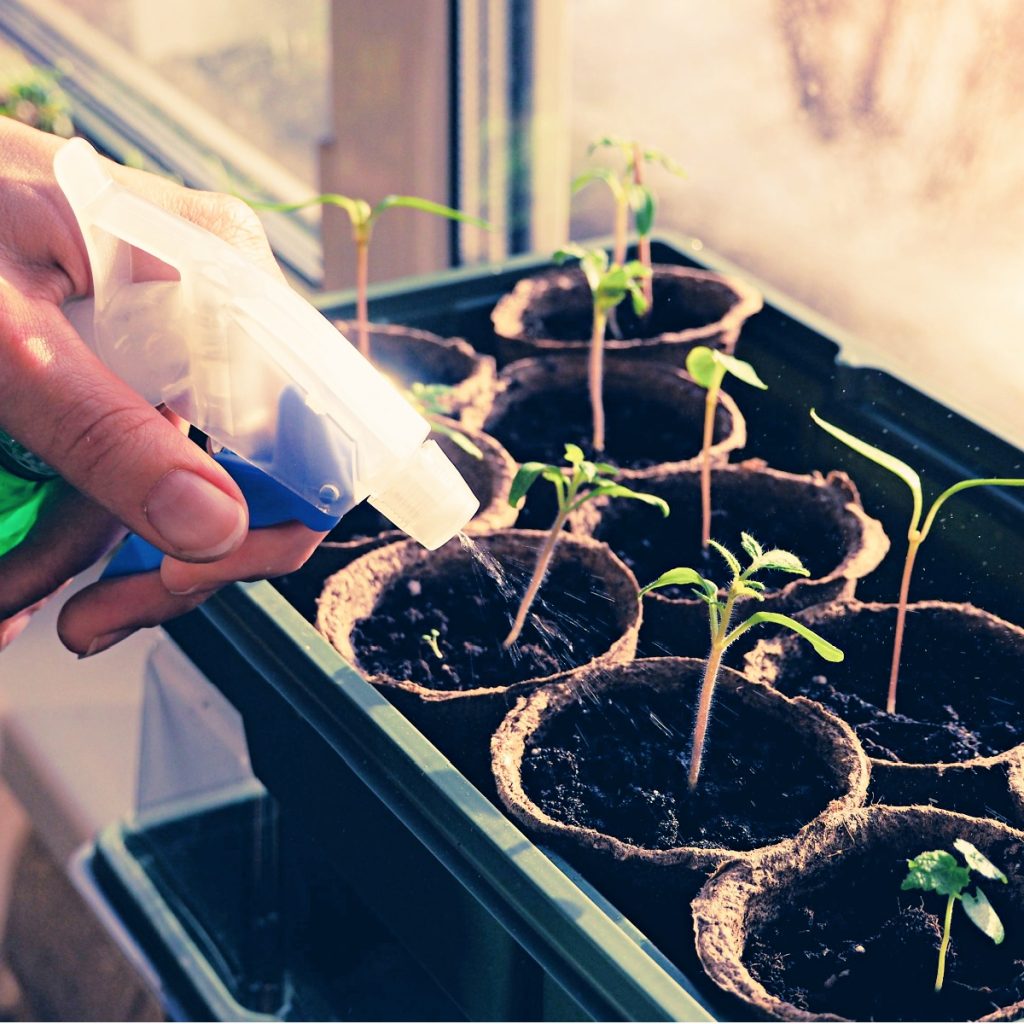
(861, 156)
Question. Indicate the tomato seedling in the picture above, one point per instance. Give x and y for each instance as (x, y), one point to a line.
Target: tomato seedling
(432, 639)
(609, 285)
(720, 613)
(917, 532)
(575, 484)
(708, 368)
(939, 871)
(432, 402)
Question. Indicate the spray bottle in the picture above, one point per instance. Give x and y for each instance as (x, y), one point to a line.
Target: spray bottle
(307, 427)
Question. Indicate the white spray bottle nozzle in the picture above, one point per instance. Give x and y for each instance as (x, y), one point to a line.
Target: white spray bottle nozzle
(240, 355)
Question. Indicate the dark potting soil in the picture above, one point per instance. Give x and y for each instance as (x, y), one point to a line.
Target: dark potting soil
(959, 693)
(361, 523)
(416, 364)
(572, 622)
(863, 949)
(618, 762)
(675, 308)
(639, 433)
(797, 519)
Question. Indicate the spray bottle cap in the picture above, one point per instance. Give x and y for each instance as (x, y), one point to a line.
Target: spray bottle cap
(239, 354)
(426, 497)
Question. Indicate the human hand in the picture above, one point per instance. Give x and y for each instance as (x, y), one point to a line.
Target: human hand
(124, 465)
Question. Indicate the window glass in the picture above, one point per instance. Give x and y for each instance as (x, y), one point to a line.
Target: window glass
(863, 156)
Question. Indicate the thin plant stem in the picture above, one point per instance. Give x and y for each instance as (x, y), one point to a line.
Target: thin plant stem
(643, 245)
(621, 226)
(362, 305)
(940, 974)
(710, 402)
(539, 572)
(700, 728)
(595, 377)
(901, 618)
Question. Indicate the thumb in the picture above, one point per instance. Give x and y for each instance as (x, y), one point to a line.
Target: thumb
(59, 400)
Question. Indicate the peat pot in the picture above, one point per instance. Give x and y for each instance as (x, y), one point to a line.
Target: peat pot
(364, 528)
(379, 610)
(655, 419)
(957, 738)
(819, 929)
(552, 312)
(410, 356)
(599, 773)
(818, 518)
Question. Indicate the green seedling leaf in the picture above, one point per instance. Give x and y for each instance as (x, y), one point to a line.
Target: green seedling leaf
(574, 455)
(936, 871)
(641, 199)
(983, 914)
(824, 649)
(884, 459)
(730, 559)
(978, 862)
(680, 577)
(524, 479)
(431, 640)
(457, 437)
(428, 206)
(613, 490)
(741, 370)
(707, 366)
(779, 560)
(751, 546)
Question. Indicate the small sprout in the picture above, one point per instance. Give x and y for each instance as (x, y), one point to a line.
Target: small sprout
(708, 367)
(575, 484)
(916, 533)
(432, 402)
(629, 192)
(939, 871)
(609, 285)
(362, 216)
(720, 612)
(431, 640)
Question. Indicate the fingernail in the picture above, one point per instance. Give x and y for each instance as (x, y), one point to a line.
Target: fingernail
(101, 643)
(194, 516)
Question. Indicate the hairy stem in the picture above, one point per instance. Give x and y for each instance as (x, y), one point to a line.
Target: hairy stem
(940, 974)
(901, 618)
(595, 377)
(539, 572)
(362, 305)
(700, 728)
(710, 402)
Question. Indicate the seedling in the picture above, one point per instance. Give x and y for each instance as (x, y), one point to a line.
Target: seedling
(708, 368)
(431, 640)
(431, 401)
(939, 871)
(575, 485)
(609, 285)
(916, 534)
(720, 613)
(629, 192)
(363, 217)
(33, 96)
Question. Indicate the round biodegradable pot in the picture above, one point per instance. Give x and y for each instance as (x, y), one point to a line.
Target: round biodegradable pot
(364, 528)
(599, 773)
(552, 313)
(377, 610)
(411, 356)
(957, 737)
(819, 929)
(819, 518)
(654, 419)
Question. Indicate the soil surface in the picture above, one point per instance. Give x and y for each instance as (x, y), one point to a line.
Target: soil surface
(874, 956)
(676, 308)
(959, 693)
(797, 519)
(572, 622)
(618, 763)
(639, 433)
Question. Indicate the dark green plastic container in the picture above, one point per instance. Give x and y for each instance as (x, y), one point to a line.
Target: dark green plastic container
(506, 931)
